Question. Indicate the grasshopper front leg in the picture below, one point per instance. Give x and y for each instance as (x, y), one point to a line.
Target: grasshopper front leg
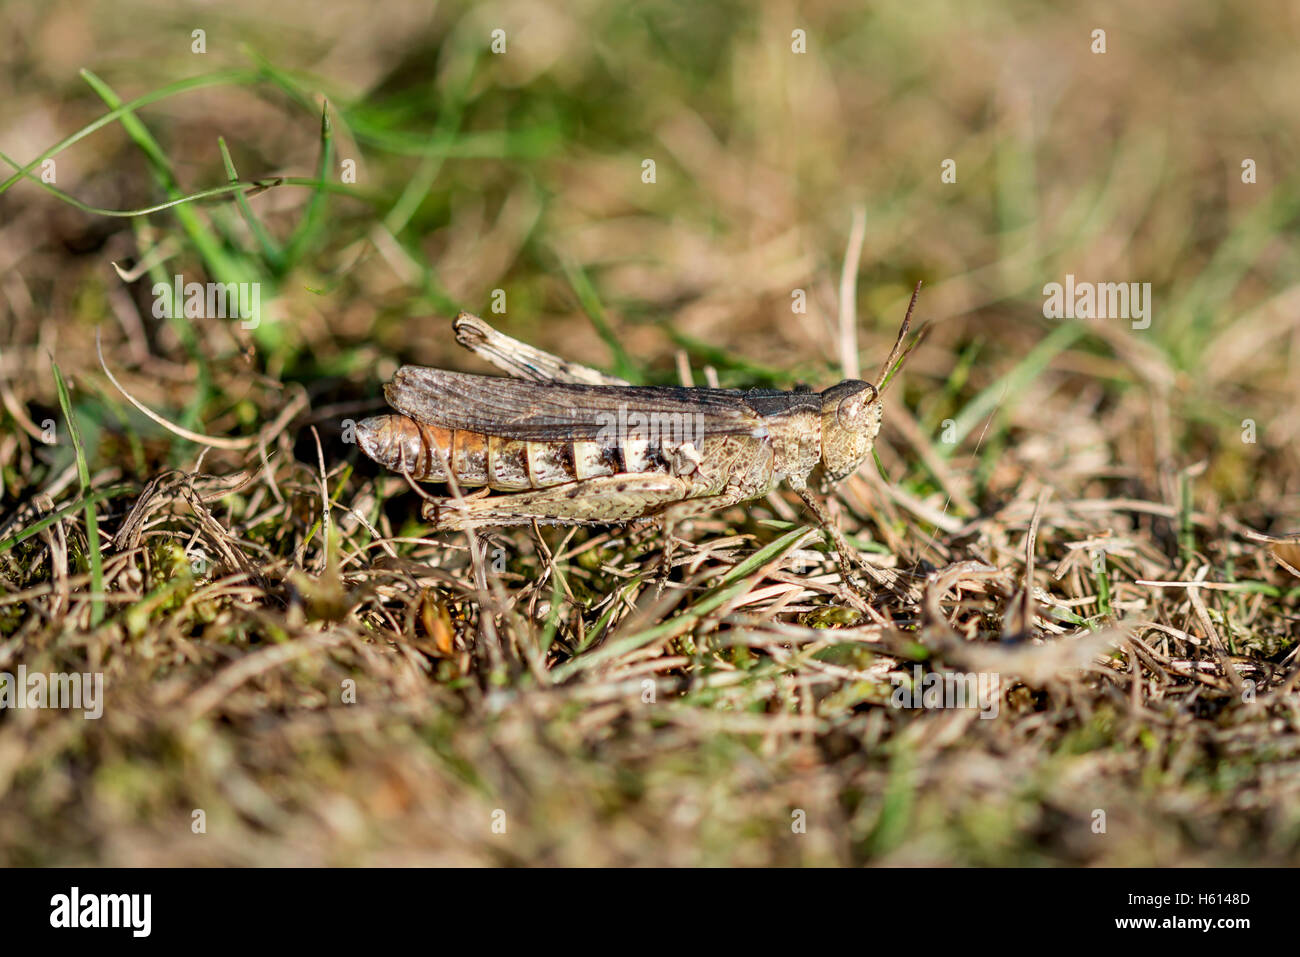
(845, 554)
(690, 509)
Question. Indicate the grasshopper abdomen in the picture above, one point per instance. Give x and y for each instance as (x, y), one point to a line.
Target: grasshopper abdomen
(428, 452)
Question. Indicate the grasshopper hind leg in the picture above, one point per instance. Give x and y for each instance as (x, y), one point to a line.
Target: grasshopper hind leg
(520, 360)
(609, 500)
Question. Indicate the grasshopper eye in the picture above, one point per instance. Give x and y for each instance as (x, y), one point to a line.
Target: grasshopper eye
(852, 412)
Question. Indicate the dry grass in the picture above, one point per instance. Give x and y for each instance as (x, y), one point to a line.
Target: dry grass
(284, 649)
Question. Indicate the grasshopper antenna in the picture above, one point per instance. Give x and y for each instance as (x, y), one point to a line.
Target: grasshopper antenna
(898, 355)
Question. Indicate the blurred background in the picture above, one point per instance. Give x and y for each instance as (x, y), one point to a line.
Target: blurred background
(985, 149)
(524, 171)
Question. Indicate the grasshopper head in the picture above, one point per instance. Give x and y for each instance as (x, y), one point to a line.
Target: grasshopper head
(851, 411)
(850, 422)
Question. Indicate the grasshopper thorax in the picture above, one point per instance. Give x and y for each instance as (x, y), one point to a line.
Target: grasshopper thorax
(850, 414)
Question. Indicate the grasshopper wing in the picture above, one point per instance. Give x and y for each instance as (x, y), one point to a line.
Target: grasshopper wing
(517, 409)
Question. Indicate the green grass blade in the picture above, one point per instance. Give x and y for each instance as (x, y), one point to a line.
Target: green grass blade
(1008, 388)
(92, 521)
(222, 265)
(271, 252)
(624, 367)
(229, 77)
(732, 584)
(308, 228)
(59, 514)
(239, 190)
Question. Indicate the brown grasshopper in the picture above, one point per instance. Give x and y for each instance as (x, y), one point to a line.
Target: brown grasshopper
(570, 445)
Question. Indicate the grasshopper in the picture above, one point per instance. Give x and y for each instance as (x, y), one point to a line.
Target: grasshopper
(569, 445)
